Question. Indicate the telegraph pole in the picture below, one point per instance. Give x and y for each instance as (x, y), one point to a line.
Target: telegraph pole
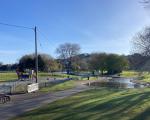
(36, 54)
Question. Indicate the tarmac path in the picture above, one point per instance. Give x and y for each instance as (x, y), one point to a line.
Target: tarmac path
(26, 102)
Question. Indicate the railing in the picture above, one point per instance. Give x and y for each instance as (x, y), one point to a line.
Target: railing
(18, 87)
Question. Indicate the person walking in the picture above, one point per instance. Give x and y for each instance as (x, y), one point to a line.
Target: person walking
(18, 73)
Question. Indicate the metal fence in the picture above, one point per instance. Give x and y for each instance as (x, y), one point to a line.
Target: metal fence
(17, 87)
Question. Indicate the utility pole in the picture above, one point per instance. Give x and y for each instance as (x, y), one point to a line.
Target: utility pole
(36, 54)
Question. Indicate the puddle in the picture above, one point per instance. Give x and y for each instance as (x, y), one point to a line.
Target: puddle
(117, 82)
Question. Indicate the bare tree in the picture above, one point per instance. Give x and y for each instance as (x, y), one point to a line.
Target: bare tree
(146, 3)
(66, 52)
(141, 42)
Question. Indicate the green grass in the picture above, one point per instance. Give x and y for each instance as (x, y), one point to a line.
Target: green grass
(141, 76)
(56, 75)
(99, 104)
(63, 86)
(130, 74)
(145, 77)
(7, 76)
(59, 86)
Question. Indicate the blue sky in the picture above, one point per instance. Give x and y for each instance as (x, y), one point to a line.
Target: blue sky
(97, 25)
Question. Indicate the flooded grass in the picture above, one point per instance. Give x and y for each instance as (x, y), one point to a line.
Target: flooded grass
(119, 82)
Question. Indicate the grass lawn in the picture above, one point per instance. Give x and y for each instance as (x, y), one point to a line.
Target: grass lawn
(145, 77)
(130, 74)
(56, 75)
(99, 104)
(63, 86)
(59, 86)
(7, 76)
(142, 76)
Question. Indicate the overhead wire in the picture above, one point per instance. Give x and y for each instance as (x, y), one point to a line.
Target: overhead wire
(17, 26)
(25, 27)
(44, 37)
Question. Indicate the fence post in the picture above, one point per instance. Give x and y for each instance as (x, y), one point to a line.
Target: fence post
(10, 90)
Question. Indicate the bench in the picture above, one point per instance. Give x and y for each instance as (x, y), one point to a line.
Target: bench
(4, 98)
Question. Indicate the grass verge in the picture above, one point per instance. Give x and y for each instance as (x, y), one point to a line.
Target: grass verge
(7, 76)
(141, 76)
(100, 104)
(59, 86)
(130, 74)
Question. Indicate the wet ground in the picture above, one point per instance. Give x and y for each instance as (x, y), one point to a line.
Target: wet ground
(118, 82)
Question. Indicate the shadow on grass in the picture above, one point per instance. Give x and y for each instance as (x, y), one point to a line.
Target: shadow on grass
(145, 115)
(96, 105)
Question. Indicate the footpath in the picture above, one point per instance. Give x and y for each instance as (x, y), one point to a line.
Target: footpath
(26, 102)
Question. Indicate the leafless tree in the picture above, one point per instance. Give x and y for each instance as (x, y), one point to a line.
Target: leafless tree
(66, 52)
(141, 42)
(146, 3)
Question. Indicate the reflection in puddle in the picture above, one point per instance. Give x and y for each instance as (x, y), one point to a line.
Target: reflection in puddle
(117, 83)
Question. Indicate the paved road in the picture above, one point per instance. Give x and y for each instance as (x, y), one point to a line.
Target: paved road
(18, 106)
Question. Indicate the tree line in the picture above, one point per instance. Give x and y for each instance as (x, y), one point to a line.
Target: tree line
(71, 60)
